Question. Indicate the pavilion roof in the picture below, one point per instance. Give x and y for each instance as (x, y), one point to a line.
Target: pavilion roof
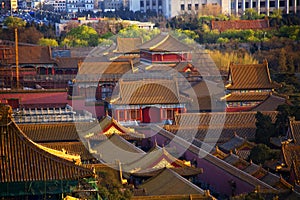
(250, 76)
(165, 42)
(115, 148)
(168, 182)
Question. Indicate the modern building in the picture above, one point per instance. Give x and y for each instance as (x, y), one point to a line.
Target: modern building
(171, 8)
(238, 7)
(58, 5)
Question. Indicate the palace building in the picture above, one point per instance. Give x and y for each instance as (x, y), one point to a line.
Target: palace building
(147, 101)
(249, 86)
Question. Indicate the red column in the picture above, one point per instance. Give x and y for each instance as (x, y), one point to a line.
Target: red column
(141, 114)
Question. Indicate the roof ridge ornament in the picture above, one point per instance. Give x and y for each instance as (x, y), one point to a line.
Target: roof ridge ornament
(5, 114)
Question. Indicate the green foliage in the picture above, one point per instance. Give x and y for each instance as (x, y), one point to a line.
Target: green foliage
(110, 188)
(292, 32)
(48, 42)
(222, 40)
(134, 32)
(282, 119)
(265, 129)
(260, 153)
(251, 14)
(105, 42)
(81, 36)
(14, 22)
(236, 35)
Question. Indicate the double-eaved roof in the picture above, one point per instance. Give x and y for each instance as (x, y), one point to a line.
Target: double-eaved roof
(250, 77)
(23, 161)
(165, 42)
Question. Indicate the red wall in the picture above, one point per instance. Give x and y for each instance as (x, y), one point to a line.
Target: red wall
(217, 178)
(151, 115)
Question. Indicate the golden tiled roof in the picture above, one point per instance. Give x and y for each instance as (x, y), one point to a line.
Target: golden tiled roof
(73, 148)
(204, 94)
(294, 129)
(250, 76)
(32, 55)
(290, 152)
(165, 42)
(226, 119)
(116, 148)
(50, 132)
(128, 45)
(69, 62)
(156, 159)
(169, 182)
(271, 103)
(90, 68)
(249, 96)
(22, 160)
(149, 92)
(128, 133)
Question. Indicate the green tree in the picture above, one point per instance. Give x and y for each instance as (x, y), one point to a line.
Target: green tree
(251, 14)
(265, 129)
(260, 153)
(14, 22)
(282, 118)
(81, 36)
(48, 42)
(134, 31)
(276, 16)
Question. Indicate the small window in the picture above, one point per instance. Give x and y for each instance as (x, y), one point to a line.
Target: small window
(182, 7)
(189, 6)
(121, 115)
(196, 6)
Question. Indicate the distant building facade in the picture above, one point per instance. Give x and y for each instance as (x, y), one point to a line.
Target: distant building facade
(171, 8)
(238, 7)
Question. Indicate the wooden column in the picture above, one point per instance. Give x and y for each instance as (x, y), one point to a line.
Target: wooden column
(17, 58)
